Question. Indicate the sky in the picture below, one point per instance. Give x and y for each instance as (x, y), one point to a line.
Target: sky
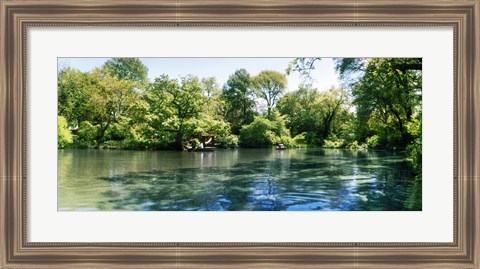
(324, 75)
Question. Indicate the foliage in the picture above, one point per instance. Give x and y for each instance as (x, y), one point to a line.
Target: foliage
(265, 132)
(258, 134)
(300, 140)
(340, 143)
(86, 135)
(373, 141)
(186, 100)
(238, 102)
(269, 85)
(387, 94)
(414, 149)
(209, 86)
(300, 108)
(304, 66)
(229, 141)
(96, 97)
(349, 69)
(110, 101)
(73, 95)
(127, 69)
(355, 145)
(64, 135)
(207, 125)
(317, 114)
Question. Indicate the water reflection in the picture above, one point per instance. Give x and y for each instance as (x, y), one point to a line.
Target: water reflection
(299, 180)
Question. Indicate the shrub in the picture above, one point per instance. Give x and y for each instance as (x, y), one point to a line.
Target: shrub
(116, 132)
(300, 140)
(86, 134)
(63, 133)
(333, 143)
(373, 141)
(356, 145)
(229, 141)
(257, 134)
(265, 132)
(414, 151)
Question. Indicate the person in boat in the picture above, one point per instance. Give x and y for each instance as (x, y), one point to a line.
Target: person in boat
(280, 146)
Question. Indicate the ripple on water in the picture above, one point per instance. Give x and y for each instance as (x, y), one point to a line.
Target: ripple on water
(299, 180)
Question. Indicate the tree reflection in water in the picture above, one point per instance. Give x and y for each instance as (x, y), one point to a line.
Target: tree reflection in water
(346, 181)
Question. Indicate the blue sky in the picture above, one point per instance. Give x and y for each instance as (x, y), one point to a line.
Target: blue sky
(324, 75)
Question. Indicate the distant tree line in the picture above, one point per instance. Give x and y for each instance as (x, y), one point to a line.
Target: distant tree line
(116, 106)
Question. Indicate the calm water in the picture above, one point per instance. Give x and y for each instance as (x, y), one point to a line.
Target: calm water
(243, 179)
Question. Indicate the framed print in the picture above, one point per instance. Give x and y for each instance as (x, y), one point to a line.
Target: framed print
(188, 134)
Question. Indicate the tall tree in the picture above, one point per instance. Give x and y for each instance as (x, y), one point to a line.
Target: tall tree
(331, 103)
(209, 86)
(316, 114)
(109, 101)
(158, 109)
(387, 95)
(215, 106)
(73, 95)
(127, 69)
(238, 95)
(300, 108)
(269, 85)
(185, 101)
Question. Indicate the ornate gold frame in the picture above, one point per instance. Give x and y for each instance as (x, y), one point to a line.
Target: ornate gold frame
(17, 16)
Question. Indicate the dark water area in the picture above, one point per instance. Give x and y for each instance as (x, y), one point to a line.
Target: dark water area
(237, 180)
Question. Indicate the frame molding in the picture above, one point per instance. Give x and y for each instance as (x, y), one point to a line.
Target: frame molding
(17, 16)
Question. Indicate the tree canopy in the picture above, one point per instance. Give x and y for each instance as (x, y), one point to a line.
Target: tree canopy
(238, 96)
(127, 69)
(269, 85)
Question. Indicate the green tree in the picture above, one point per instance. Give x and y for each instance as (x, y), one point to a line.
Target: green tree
(215, 105)
(63, 133)
(209, 86)
(73, 95)
(332, 103)
(387, 97)
(265, 131)
(127, 69)
(238, 95)
(205, 124)
(300, 108)
(184, 101)
(316, 114)
(269, 85)
(258, 134)
(109, 102)
(158, 111)
(414, 149)
(101, 99)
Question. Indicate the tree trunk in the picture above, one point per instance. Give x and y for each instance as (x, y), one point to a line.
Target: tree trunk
(179, 138)
(399, 119)
(101, 134)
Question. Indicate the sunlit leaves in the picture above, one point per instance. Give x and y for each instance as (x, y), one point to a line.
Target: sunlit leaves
(127, 69)
(387, 95)
(269, 85)
(316, 114)
(64, 135)
(237, 94)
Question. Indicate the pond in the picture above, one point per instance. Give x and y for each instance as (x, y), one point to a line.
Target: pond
(237, 180)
